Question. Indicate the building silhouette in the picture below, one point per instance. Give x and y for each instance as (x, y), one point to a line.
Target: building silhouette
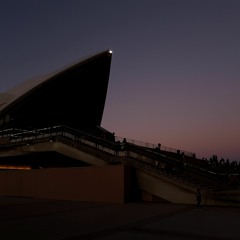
(73, 96)
(50, 129)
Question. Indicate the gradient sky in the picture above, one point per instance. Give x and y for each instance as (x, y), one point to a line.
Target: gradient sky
(175, 75)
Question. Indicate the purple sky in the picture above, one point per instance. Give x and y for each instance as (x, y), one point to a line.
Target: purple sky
(175, 75)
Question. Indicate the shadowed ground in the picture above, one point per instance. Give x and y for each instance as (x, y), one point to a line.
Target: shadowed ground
(27, 218)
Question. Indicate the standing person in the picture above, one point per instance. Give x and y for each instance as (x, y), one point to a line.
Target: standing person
(183, 164)
(199, 199)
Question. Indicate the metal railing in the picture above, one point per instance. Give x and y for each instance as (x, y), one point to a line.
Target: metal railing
(109, 151)
(154, 146)
(128, 149)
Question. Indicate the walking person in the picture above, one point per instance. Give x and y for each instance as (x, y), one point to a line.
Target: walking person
(199, 199)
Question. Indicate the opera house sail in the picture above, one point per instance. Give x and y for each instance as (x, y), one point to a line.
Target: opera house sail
(73, 96)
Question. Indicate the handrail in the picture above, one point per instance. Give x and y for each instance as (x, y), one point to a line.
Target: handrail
(153, 146)
(127, 149)
(18, 135)
(21, 136)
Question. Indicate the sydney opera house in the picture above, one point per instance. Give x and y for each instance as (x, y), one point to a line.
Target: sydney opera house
(52, 146)
(73, 96)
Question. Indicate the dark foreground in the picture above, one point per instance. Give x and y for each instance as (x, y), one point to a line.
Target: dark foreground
(26, 218)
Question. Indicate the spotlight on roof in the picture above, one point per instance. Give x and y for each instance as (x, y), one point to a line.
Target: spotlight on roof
(110, 51)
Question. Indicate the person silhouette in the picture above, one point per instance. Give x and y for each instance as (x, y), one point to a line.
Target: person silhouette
(199, 199)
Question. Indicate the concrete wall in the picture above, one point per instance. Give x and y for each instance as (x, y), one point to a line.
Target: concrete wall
(100, 184)
(164, 188)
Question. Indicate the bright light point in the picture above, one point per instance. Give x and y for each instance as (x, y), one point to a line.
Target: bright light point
(110, 51)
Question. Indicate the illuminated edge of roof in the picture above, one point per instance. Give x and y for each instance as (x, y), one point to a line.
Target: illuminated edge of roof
(36, 82)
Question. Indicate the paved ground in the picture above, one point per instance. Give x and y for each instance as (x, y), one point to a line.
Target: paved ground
(26, 218)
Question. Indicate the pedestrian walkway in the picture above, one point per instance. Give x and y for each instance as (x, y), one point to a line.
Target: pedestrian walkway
(28, 218)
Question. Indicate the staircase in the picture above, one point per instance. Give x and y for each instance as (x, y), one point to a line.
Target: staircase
(160, 173)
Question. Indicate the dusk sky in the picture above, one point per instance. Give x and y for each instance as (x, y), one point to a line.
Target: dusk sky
(175, 75)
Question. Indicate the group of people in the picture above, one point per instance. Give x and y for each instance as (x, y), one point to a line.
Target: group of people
(222, 164)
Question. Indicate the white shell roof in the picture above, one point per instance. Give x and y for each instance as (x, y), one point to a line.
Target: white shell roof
(20, 89)
(12, 94)
(15, 92)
